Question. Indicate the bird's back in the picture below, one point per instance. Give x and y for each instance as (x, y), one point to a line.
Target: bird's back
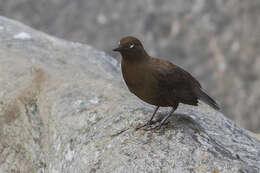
(174, 84)
(178, 85)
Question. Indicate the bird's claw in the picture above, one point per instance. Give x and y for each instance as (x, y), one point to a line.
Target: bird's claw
(155, 127)
(144, 126)
(149, 126)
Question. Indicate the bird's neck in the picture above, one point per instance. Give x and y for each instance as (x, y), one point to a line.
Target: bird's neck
(133, 57)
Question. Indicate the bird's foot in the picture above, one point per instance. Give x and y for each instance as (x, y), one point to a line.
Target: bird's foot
(144, 126)
(156, 126)
(151, 125)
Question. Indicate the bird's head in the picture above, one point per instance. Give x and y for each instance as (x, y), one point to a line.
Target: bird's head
(131, 48)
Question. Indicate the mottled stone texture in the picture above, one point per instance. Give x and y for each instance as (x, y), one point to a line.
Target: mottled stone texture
(64, 108)
(217, 40)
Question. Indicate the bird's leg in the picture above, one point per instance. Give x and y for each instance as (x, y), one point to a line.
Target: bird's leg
(151, 119)
(149, 122)
(162, 122)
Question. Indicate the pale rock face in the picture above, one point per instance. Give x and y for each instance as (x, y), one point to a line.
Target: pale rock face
(22, 36)
(65, 108)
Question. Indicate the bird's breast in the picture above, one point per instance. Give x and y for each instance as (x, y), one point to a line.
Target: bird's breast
(139, 81)
(134, 78)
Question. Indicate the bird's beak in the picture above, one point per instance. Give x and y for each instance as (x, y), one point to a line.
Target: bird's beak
(118, 49)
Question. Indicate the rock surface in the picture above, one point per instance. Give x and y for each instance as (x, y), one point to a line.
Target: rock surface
(218, 41)
(64, 108)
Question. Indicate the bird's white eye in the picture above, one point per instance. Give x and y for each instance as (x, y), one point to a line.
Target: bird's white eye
(131, 46)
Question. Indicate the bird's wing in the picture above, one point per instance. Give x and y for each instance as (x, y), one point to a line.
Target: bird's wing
(175, 82)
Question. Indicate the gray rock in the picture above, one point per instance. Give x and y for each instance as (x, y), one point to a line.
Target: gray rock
(64, 108)
(218, 41)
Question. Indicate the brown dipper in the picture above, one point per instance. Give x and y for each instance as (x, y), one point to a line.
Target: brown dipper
(158, 82)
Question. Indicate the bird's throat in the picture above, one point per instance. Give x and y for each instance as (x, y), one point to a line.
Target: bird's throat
(135, 57)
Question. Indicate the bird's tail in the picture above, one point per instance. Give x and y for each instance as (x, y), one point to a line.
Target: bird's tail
(203, 96)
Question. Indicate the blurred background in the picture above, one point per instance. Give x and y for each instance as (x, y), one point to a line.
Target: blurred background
(218, 41)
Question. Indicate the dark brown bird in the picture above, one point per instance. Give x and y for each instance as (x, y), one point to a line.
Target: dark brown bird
(158, 82)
